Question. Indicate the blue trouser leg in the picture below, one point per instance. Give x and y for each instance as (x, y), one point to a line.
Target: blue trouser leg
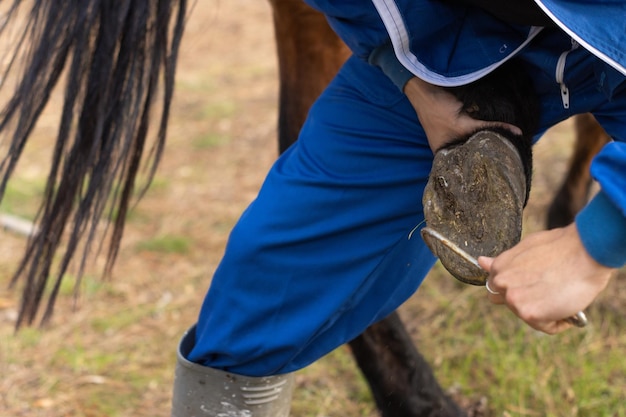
(323, 252)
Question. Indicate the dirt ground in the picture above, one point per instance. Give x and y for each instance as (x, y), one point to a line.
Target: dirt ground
(111, 352)
(221, 141)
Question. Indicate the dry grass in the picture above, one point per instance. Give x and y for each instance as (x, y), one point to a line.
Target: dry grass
(112, 352)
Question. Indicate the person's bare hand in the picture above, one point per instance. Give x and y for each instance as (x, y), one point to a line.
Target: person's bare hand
(546, 278)
(440, 115)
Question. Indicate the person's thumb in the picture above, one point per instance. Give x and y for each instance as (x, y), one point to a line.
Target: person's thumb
(485, 263)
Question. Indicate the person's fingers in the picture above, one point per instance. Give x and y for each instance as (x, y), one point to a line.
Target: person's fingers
(511, 128)
(551, 328)
(470, 124)
(485, 263)
(495, 295)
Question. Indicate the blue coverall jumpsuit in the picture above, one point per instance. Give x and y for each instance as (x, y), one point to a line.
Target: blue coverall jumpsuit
(324, 251)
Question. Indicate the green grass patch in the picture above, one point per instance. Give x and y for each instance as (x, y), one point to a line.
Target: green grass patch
(210, 140)
(81, 359)
(332, 386)
(218, 110)
(27, 337)
(23, 197)
(168, 244)
(90, 286)
(158, 184)
(122, 319)
(484, 350)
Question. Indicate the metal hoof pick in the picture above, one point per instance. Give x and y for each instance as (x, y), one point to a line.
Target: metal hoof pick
(465, 267)
(457, 261)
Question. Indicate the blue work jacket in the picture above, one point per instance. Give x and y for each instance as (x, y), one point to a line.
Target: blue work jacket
(451, 45)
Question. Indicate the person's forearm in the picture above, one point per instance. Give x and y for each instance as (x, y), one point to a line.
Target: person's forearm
(439, 125)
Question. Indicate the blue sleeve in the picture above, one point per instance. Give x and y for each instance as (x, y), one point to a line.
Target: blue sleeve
(385, 58)
(440, 42)
(602, 223)
(356, 22)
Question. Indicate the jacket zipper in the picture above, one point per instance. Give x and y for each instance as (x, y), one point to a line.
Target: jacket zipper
(560, 74)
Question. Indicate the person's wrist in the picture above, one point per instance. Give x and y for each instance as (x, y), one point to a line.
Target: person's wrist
(384, 57)
(597, 274)
(422, 97)
(416, 89)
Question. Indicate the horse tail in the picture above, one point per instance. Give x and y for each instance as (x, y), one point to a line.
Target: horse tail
(115, 56)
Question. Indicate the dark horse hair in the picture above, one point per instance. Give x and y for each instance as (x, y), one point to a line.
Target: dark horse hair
(505, 95)
(115, 56)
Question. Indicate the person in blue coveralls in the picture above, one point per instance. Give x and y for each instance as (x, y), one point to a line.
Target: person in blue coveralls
(320, 254)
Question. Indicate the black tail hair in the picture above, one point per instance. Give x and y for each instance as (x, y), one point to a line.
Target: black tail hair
(115, 56)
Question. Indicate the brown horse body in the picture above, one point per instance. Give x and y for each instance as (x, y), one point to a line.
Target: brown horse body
(573, 193)
(309, 55)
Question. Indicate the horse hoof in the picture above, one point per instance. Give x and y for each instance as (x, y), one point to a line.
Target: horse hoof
(475, 197)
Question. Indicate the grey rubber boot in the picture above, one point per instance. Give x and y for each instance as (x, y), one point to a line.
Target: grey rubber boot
(200, 391)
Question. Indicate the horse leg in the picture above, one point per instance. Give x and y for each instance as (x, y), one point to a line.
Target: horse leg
(574, 191)
(309, 55)
(401, 380)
